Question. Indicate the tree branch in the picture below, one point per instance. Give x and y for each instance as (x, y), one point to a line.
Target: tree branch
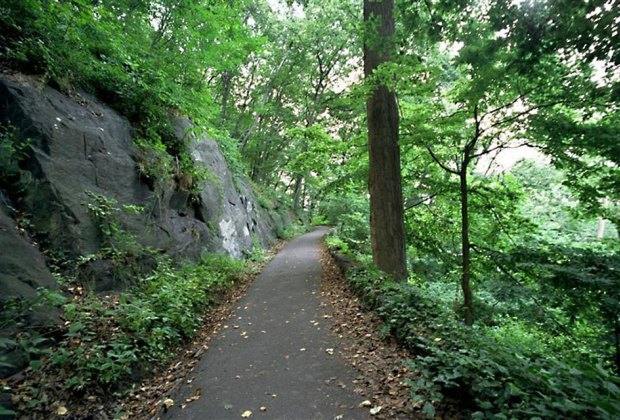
(419, 202)
(528, 111)
(438, 162)
(499, 147)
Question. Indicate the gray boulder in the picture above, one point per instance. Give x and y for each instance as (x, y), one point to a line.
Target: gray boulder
(228, 201)
(22, 266)
(22, 272)
(78, 145)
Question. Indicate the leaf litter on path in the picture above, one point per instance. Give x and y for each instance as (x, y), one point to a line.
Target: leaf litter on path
(381, 364)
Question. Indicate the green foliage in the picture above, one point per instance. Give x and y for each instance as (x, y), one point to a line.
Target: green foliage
(492, 371)
(16, 315)
(106, 214)
(349, 212)
(257, 253)
(283, 128)
(335, 244)
(230, 150)
(126, 256)
(318, 220)
(270, 199)
(276, 91)
(149, 61)
(293, 230)
(107, 340)
(6, 412)
(154, 163)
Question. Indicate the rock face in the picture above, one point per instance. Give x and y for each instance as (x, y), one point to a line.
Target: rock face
(76, 146)
(22, 271)
(22, 267)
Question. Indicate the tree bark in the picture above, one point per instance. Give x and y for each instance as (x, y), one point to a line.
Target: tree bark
(617, 343)
(297, 194)
(465, 248)
(385, 185)
(226, 87)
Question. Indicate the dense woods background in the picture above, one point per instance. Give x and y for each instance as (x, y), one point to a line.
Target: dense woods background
(509, 119)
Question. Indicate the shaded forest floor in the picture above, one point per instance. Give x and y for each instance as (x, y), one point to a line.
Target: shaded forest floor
(142, 399)
(379, 384)
(381, 363)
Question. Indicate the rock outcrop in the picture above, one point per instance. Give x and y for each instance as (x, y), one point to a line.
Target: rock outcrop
(76, 146)
(22, 267)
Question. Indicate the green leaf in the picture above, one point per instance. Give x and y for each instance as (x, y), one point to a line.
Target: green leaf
(6, 412)
(428, 410)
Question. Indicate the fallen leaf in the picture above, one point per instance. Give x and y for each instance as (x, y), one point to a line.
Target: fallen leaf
(375, 410)
(246, 414)
(196, 395)
(62, 410)
(168, 402)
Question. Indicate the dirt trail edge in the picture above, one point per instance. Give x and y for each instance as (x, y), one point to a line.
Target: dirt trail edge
(275, 356)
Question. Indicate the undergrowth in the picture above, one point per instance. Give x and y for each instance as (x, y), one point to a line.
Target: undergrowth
(486, 369)
(108, 342)
(90, 46)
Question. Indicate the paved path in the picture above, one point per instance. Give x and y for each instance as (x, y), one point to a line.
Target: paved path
(275, 351)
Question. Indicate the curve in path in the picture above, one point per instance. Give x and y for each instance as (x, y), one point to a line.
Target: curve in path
(275, 351)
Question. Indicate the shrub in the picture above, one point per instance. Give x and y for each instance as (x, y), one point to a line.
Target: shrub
(497, 378)
(108, 339)
(291, 231)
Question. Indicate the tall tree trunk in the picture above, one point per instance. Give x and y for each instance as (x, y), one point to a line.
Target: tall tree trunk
(617, 342)
(297, 194)
(465, 248)
(385, 186)
(226, 87)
